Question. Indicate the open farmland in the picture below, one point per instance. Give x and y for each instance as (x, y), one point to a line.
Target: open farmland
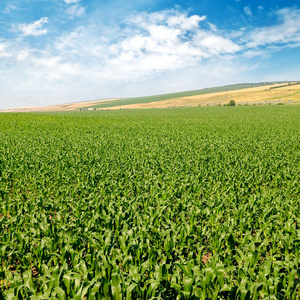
(74, 106)
(190, 203)
(243, 94)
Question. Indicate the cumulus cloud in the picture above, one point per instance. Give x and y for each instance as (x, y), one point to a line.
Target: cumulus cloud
(147, 44)
(165, 41)
(92, 60)
(216, 45)
(144, 45)
(34, 28)
(287, 32)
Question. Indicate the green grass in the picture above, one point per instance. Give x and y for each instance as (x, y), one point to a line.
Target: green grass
(156, 98)
(285, 85)
(190, 203)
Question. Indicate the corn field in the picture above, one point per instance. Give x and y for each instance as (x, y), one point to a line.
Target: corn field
(190, 203)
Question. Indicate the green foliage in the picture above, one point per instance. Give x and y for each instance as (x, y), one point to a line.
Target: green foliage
(158, 204)
(231, 103)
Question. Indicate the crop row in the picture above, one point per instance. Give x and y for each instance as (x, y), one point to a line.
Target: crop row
(197, 203)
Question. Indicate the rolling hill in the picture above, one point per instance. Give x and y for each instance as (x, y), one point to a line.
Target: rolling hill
(242, 94)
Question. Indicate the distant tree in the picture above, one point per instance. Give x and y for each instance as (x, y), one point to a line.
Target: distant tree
(231, 103)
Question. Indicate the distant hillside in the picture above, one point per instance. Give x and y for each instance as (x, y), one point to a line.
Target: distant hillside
(156, 98)
(243, 94)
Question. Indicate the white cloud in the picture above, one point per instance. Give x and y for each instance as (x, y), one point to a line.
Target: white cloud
(255, 53)
(183, 22)
(94, 61)
(9, 8)
(286, 32)
(247, 11)
(34, 28)
(71, 1)
(75, 11)
(216, 45)
(212, 27)
(91, 61)
(3, 51)
(166, 41)
(147, 44)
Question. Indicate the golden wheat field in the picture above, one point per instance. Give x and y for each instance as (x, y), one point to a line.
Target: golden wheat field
(262, 95)
(257, 95)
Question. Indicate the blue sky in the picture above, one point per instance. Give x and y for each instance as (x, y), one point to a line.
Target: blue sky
(62, 51)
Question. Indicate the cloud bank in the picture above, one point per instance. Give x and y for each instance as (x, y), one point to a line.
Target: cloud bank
(93, 61)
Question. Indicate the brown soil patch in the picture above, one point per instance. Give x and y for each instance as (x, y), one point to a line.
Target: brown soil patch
(206, 257)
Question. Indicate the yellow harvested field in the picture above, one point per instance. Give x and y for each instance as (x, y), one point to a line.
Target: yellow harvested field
(60, 107)
(268, 94)
(258, 95)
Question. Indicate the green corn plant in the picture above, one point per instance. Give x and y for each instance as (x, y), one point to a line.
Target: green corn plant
(196, 203)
